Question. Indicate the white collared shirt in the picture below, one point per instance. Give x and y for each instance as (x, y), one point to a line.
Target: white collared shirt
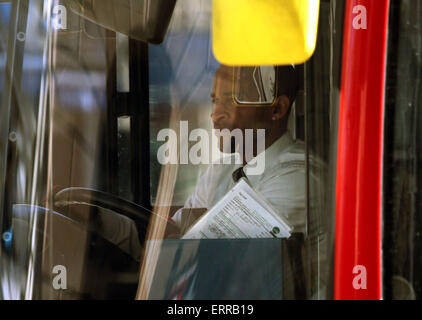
(282, 184)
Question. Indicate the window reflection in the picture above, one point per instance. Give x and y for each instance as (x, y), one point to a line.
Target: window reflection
(85, 185)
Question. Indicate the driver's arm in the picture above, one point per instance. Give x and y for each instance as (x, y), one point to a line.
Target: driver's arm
(200, 199)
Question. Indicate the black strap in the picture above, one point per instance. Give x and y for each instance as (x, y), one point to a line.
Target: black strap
(237, 174)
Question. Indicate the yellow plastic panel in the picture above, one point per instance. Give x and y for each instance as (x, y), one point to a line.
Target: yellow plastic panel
(264, 32)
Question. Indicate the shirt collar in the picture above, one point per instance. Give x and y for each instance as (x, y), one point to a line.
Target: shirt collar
(271, 156)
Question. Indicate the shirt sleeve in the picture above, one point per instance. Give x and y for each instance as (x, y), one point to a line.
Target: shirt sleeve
(199, 199)
(285, 191)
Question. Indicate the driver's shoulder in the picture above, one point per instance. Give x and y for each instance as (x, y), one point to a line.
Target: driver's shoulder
(292, 156)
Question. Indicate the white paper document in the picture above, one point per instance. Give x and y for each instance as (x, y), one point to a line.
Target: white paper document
(241, 214)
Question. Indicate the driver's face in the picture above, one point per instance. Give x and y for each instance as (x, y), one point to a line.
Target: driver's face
(224, 110)
(227, 115)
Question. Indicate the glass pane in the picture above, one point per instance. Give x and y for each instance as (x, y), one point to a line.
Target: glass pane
(402, 155)
(56, 221)
(23, 162)
(4, 24)
(180, 77)
(206, 121)
(134, 169)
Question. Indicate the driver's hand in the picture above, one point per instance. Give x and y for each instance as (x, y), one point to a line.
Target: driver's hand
(189, 217)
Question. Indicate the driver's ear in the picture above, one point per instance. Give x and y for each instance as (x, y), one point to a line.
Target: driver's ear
(281, 107)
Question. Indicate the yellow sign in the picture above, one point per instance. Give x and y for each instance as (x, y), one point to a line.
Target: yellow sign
(264, 32)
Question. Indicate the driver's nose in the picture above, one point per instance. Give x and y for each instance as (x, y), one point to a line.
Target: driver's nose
(219, 116)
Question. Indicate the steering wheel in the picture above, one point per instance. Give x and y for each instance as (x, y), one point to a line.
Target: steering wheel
(91, 197)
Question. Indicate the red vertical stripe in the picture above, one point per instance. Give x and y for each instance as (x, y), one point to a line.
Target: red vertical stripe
(359, 158)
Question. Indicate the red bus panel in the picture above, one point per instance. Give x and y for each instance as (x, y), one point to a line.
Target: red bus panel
(360, 145)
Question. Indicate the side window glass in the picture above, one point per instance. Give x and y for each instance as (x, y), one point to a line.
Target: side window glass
(402, 154)
(136, 167)
(191, 91)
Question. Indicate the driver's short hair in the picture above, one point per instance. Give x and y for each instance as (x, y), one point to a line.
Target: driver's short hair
(287, 82)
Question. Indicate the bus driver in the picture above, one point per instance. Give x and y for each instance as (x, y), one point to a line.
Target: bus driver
(283, 181)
